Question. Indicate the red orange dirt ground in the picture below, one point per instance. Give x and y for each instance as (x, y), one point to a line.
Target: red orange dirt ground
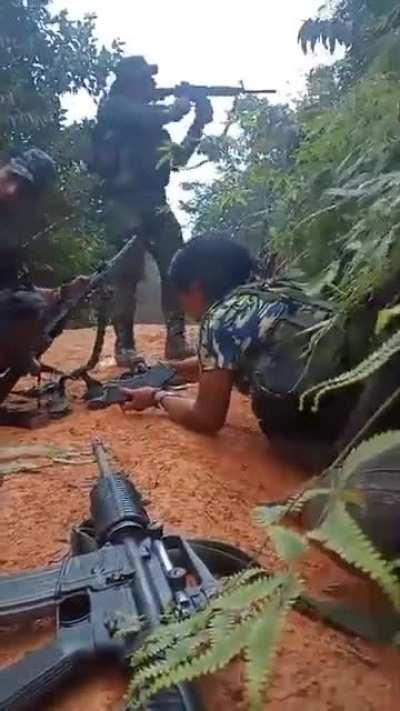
(201, 486)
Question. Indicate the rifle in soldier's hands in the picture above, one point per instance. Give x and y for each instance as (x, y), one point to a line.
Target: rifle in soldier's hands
(194, 92)
(71, 299)
(55, 319)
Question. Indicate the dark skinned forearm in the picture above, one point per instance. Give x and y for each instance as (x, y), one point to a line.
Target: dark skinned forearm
(183, 412)
(206, 414)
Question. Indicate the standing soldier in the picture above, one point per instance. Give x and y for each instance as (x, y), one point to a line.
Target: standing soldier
(128, 156)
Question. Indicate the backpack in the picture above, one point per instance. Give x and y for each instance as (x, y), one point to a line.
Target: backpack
(305, 346)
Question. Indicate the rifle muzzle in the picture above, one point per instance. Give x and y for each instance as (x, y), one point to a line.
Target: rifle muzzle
(115, 503)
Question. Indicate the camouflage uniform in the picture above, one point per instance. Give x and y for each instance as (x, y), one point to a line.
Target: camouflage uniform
(128, 142)
(259, 332)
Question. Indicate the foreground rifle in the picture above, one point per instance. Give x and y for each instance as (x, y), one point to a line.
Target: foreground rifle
(58, 315)
(125, 574)
(131, 577)
(196, 91)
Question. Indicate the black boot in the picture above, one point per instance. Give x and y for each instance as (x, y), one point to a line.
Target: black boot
(125, 350)
(176, 346)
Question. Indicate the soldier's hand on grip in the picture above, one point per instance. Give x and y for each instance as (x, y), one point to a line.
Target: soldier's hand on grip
(182, 106)
(204, 110)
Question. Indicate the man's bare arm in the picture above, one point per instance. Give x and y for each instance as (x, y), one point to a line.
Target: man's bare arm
(208, 412)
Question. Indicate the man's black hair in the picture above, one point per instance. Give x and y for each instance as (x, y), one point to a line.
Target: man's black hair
(218, 263)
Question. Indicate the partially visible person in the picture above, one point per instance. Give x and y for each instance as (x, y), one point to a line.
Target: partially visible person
(24, 178)
(128, 146)
(256, 336)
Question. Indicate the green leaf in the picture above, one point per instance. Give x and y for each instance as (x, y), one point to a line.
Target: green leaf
(353, 496)
(341, 534)
(385, 316)
(290, 545)
(261, 650)
(368, 450)
(248, 594)
(361, 372)
(270, 514)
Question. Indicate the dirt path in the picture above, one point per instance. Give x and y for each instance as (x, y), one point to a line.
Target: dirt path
(200, 486)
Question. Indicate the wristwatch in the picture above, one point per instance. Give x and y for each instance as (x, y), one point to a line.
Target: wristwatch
(159, 397)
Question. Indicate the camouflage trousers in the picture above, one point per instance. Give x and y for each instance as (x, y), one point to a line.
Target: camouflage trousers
(160, 235)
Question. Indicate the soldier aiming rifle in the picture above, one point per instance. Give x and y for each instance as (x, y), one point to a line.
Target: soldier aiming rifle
(127, 153)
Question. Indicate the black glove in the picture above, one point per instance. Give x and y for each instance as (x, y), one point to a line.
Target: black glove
(204, 110)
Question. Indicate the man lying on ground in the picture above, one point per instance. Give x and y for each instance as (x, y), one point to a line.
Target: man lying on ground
(256, 336)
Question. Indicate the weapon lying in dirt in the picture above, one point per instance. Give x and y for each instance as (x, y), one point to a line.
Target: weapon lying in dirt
(196, 91)
(59, 314)
(131, 576)
(102, 395)
(124, 573)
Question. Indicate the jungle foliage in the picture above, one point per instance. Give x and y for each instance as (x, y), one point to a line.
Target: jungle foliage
(44, 57)
(314, 188)
(246, 619)
(316, 182)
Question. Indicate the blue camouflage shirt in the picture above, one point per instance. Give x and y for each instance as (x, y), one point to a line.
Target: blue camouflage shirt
(230, 328)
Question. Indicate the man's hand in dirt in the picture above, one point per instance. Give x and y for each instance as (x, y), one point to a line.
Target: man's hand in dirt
(139, 399)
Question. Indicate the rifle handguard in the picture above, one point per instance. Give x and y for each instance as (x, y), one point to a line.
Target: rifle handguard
(116, 505)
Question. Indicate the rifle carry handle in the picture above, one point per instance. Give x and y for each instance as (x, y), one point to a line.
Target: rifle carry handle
(38, 673)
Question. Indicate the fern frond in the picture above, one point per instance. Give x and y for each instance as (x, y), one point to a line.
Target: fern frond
(222, 624)
(366, 451)
(242, 578)
(289, 545)
(341, 534)
(385, 316)
(208, 663)
(263, 641)
(166, 635)
(185, 649)
(270, 514)
(363, 370)
(210, 639)
(248, 594)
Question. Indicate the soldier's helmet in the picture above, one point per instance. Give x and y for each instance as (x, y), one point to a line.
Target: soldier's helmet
(131, 68)
(34, 166)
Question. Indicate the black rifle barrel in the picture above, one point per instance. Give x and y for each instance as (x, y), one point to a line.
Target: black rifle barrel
(101, 457)
(116, 505)
(99, 277)
(58, 316)
(190, 90)
(118, 513)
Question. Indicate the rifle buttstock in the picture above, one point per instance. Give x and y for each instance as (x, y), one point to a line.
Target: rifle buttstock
(37, 674)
